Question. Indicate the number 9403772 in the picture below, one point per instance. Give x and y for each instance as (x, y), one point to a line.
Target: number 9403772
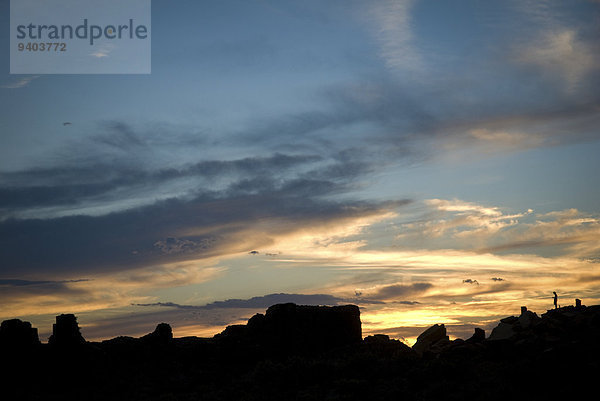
(42, 47)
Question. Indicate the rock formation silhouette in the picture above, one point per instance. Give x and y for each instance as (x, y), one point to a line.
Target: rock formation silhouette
(290, 328)
(17, 333)
(65, 332)
(477, 337)
(430, 337)
(161, 335)
(310, 353)
(512, 325)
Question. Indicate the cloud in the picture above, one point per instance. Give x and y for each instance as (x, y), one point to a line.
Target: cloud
(559, 123)
(576, 232)
(21, 283)
(395, 291)
(412, 126)
(460, 219)
(466, 225)
(507, 140)
(20, 297)
(203, 227)
(470, 281)
(144, 208)
(393, 29)
(32, 287)
(120, 136)
(103, 51)
(103, 290)
(259, 302)
(101, 209)
(562, 53)
(177, 245)
(98, 175)
(20, 83)
(43, 191)
(436, 284)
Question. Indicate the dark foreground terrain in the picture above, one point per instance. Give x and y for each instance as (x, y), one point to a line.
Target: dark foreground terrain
(310, 353)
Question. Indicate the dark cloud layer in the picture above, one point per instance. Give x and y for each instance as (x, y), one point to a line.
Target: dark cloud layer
(13, 289)
(259, 302)
(42, 230)
(151, 234)
(400, 117)
(23, 283)
(394, 291)
(72, 185)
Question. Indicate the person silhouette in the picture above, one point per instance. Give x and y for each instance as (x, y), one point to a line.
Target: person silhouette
(555, 300)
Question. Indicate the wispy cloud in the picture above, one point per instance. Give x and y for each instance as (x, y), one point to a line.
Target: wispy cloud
(103, 290)
(577, 233)
(20, 83)
(467, 225)
(393, 292)
(393, 28)
(103, 51)
(460, 219)
(564, 54)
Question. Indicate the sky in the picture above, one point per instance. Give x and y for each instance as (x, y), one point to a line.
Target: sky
(431, 162)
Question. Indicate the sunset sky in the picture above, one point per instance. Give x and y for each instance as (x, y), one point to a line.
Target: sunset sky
(431, 162)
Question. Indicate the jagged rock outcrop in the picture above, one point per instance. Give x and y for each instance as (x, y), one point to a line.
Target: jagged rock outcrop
(65, 332)
(429, 337)
(527, 318)
(377, 339)
(477, 337)
(504, 330)
(510, 326)
(17, 333)
(163, 334)
(243, 363)
(292, 328)
(382, 346)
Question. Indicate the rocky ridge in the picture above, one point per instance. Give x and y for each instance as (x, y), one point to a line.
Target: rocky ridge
(309, 352)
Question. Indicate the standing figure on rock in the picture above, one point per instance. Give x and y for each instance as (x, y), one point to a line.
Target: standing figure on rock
(555, 300)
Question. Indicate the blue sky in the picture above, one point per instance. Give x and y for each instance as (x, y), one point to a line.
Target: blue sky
(379, 153)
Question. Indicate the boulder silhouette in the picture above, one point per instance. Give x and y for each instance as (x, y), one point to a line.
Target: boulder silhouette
(17, 333)
(527, 318)
(504, 331)
(510, 326)
(429, 337)
(65, 332)
(477, 337)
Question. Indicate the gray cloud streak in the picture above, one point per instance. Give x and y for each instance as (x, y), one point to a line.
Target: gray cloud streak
(394, 291)
(140, 236)
(259, 302)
